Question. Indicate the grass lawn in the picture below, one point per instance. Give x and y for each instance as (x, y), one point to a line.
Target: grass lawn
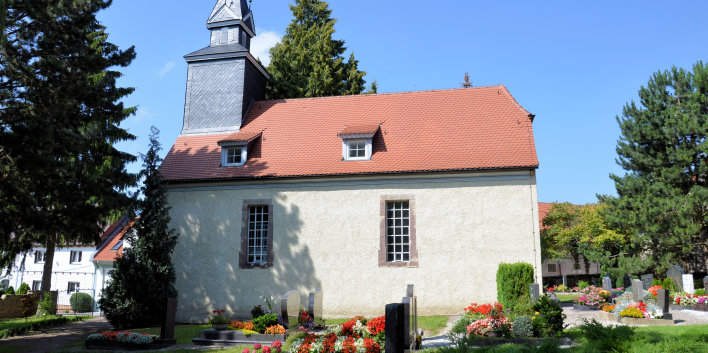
(11, 327)
(567, 298)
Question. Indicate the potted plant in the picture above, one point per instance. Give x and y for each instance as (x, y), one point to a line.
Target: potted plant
(219, 321)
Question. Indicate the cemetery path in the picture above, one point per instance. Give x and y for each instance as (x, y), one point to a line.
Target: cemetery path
(56, 338)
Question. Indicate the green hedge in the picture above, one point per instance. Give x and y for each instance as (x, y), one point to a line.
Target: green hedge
(14, 327)
(81, 303)
(513, 282)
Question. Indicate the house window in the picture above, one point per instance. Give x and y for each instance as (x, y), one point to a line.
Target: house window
(552, 268)
(256, 234)
(75, 257)
(398, 233)
(36, 285)
(233, 156)
(356, 150)
(73, 287)
(39, 257)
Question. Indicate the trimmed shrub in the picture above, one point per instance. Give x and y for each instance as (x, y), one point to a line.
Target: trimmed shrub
(24, 288)
(583, 284)
(656, 282)
(548, 318)
(10, 290)
(47, 306)
(513, 282)
(523, 327)
(264, 321)
(81, 303)
(668, 284)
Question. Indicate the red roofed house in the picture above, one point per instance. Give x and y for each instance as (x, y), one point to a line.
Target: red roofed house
(357, 195)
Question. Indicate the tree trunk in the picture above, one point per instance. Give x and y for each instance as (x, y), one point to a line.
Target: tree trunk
(48, 262)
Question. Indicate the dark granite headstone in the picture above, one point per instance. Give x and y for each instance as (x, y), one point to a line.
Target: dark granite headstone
(409, 290)
(167, 330)
(314, 305)
(395, 314)
(663, 300)
(290, 308)
(607, 283)
(675, 273)
(627, 281)
(637, 290)
(647, 281)
(534, 292)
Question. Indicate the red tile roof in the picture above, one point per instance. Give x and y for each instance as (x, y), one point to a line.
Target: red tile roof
(543, 209)
(241, 136)
(105, 252)
(442, 130)
(359, 130)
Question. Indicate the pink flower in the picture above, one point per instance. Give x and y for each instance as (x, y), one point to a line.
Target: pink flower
(266, 349)
(246, 350)
(257, 346)
(277, 346)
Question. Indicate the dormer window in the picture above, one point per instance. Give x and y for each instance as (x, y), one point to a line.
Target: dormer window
(233, 156)
(357, 142)
(234, 148)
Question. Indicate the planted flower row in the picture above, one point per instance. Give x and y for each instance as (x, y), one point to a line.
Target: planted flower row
(357, 335)
(123, 337)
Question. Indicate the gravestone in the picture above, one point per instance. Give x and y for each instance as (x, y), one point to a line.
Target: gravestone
(687, 280)
(647, 281)
(395, 314)
(705, 283)
(565, 280)
(663, 300)
(554, 298)
(534, 292)
(314, 306)
(410, 322)
(627, 281)
(637, 290)
(290, 308)
(675, 273)
(409, 290)
(607, 283)
(167, 330)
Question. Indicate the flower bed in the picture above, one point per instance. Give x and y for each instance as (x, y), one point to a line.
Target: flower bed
(124, 340)
(354, 336)
(592, 298)
(494, 321)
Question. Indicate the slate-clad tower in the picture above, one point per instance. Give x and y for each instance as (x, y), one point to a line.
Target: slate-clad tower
(223, 79)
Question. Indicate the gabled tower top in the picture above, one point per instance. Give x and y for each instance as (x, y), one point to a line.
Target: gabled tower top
(228, 15)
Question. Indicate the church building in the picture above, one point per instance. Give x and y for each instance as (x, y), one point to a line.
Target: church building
(357, 195)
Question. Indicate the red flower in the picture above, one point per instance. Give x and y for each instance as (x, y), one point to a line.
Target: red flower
(376, 325)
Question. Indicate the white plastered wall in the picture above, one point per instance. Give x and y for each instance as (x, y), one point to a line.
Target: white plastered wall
(326, 235)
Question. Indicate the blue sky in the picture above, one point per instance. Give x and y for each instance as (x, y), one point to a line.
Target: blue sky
(572, 64)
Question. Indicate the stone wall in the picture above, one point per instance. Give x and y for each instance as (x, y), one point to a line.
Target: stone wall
(13, 306)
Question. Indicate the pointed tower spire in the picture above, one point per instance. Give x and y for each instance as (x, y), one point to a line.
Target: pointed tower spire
(231, 21)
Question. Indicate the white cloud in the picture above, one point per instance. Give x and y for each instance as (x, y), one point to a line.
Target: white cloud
(166, 69)
(261, 44)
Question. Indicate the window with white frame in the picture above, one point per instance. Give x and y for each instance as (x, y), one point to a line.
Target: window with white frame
(356, 150)
(75, 257)
(38, 257)
(233, 156)
(36, 285)
(397, 231)
(257, 234)
(73, 287)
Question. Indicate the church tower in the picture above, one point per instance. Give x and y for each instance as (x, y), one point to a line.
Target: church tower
(223, 79)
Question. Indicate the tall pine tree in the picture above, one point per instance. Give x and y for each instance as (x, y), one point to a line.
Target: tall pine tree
(663, 197)
(60, 115)
(144, 276)
(308, 62)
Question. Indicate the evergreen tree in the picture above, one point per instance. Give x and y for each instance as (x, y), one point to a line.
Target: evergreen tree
(60, 115)
(144, 276)
(663, 197)
(308, 62)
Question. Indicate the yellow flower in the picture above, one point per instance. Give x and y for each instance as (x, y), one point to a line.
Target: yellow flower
(537, 313)
(533, 318)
